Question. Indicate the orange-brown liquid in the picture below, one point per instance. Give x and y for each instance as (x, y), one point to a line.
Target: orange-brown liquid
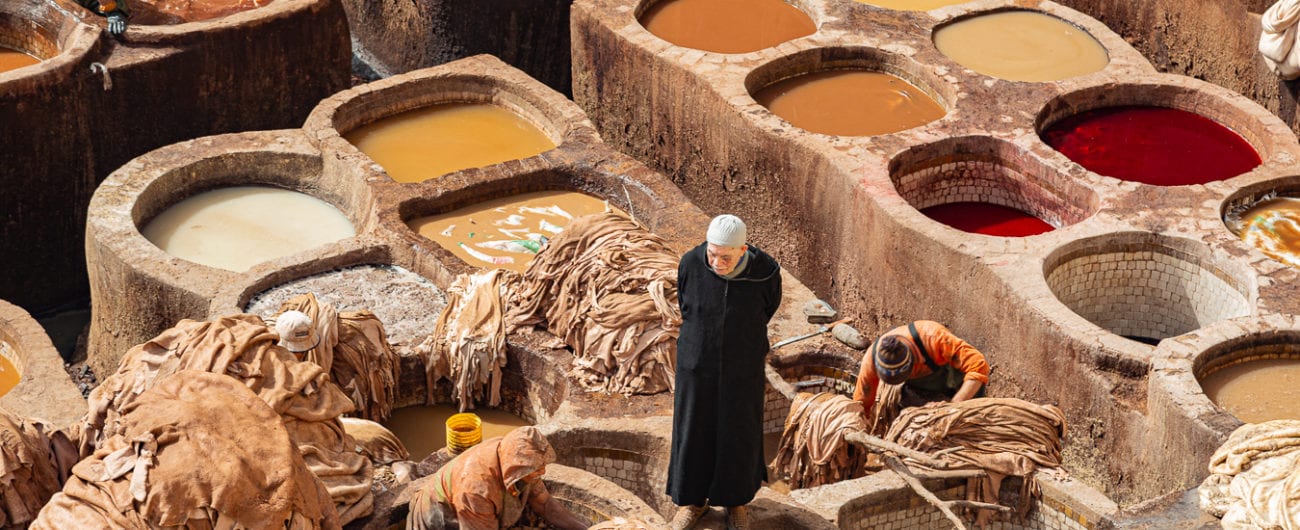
(9, 376)
(430, 142)
(1257, 391)
(164, 12)
(1273, 226)
(482, 234)
(1021, 46)
(912, 5)
(727, 26)
(11, 59)
(423, 429)
(850, 103)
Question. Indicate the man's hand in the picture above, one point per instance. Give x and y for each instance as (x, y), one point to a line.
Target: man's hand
(116, 22)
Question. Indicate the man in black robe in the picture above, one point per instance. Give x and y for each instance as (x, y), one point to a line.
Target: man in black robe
(728, 291)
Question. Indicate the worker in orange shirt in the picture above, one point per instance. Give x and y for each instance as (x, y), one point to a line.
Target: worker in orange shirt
(934, 364)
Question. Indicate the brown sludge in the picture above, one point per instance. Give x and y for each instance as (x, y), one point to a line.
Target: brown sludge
(621, 320)
(813, 450)
(197, 450)
(354, 350)
(242, 347)
(34, 463)
(166, 12)
(727, 26)
(1001, 436)
(423, 428)
(850, 103)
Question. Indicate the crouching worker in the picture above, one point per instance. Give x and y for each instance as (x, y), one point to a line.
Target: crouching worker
(929, 361)
(488, 486)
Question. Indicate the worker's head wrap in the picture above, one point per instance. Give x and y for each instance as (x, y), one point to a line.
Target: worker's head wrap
(726, 230)
(893, 358)
(523, 451)
(297, 334)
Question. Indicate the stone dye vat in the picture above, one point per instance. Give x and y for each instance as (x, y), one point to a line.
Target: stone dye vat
(849, 103)
(1272, 225)
(11, 59)
(67, 126)
(507, 232)
(1021, 46)
(238, 227)
(38, 387)
(422, 428)
(396, 37)
(984, 186)
(875, 256)
(1152, 145)
(426, 143)
(726, 26)
(164, 12)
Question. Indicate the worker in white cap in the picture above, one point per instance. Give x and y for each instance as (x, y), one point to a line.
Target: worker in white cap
(297, 332)
(728, 290)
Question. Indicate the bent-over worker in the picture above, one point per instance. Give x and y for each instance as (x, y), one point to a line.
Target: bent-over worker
(928, 358)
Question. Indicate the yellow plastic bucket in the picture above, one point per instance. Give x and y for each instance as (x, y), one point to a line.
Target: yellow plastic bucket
(464, 430)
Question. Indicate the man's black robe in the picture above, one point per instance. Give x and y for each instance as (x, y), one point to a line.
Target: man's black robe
(717, 444)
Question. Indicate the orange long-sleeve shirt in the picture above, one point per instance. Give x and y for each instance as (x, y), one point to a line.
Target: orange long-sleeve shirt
(944, 349)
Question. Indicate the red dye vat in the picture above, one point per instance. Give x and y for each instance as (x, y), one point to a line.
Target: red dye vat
(1152, 145)
(988, 219)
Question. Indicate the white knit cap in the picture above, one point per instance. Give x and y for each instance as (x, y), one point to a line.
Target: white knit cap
(726, 230)
(297, 334)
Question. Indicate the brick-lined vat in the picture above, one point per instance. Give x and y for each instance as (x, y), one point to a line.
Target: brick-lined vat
(67, 126)
(690, 114)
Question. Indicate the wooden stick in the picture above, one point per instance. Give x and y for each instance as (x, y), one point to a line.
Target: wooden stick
(900, 468)
(878, 445)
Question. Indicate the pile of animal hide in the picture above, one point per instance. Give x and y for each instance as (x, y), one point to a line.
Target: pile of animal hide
(605, 286)
(194, 450)
(242, 347)
(354, 350)
(1001, 436)
(34, 463)
(1254, 477)
(813, 450)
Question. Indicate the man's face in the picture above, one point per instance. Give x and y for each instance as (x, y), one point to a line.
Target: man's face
(724, 259)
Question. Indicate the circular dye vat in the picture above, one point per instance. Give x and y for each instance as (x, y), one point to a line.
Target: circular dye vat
(506, 233)
(988, 219)
(403, 300)
(1021, 46)
(1257, 391)
(850, 103)
(238, 227)
(9, 375)
(912, 5)
(11, 59)
(423, 429)
(436, 140)
(1153, 145)
(1271, 225)
(166, 12)
(727, 26)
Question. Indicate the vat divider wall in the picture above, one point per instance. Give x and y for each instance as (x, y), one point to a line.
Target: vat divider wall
(689, 114)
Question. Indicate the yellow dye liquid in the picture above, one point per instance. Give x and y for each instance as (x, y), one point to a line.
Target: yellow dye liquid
(912, 5)
(1021, 46)
(430, 142)
(503, 233)
(9, 376)
(727, 26)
